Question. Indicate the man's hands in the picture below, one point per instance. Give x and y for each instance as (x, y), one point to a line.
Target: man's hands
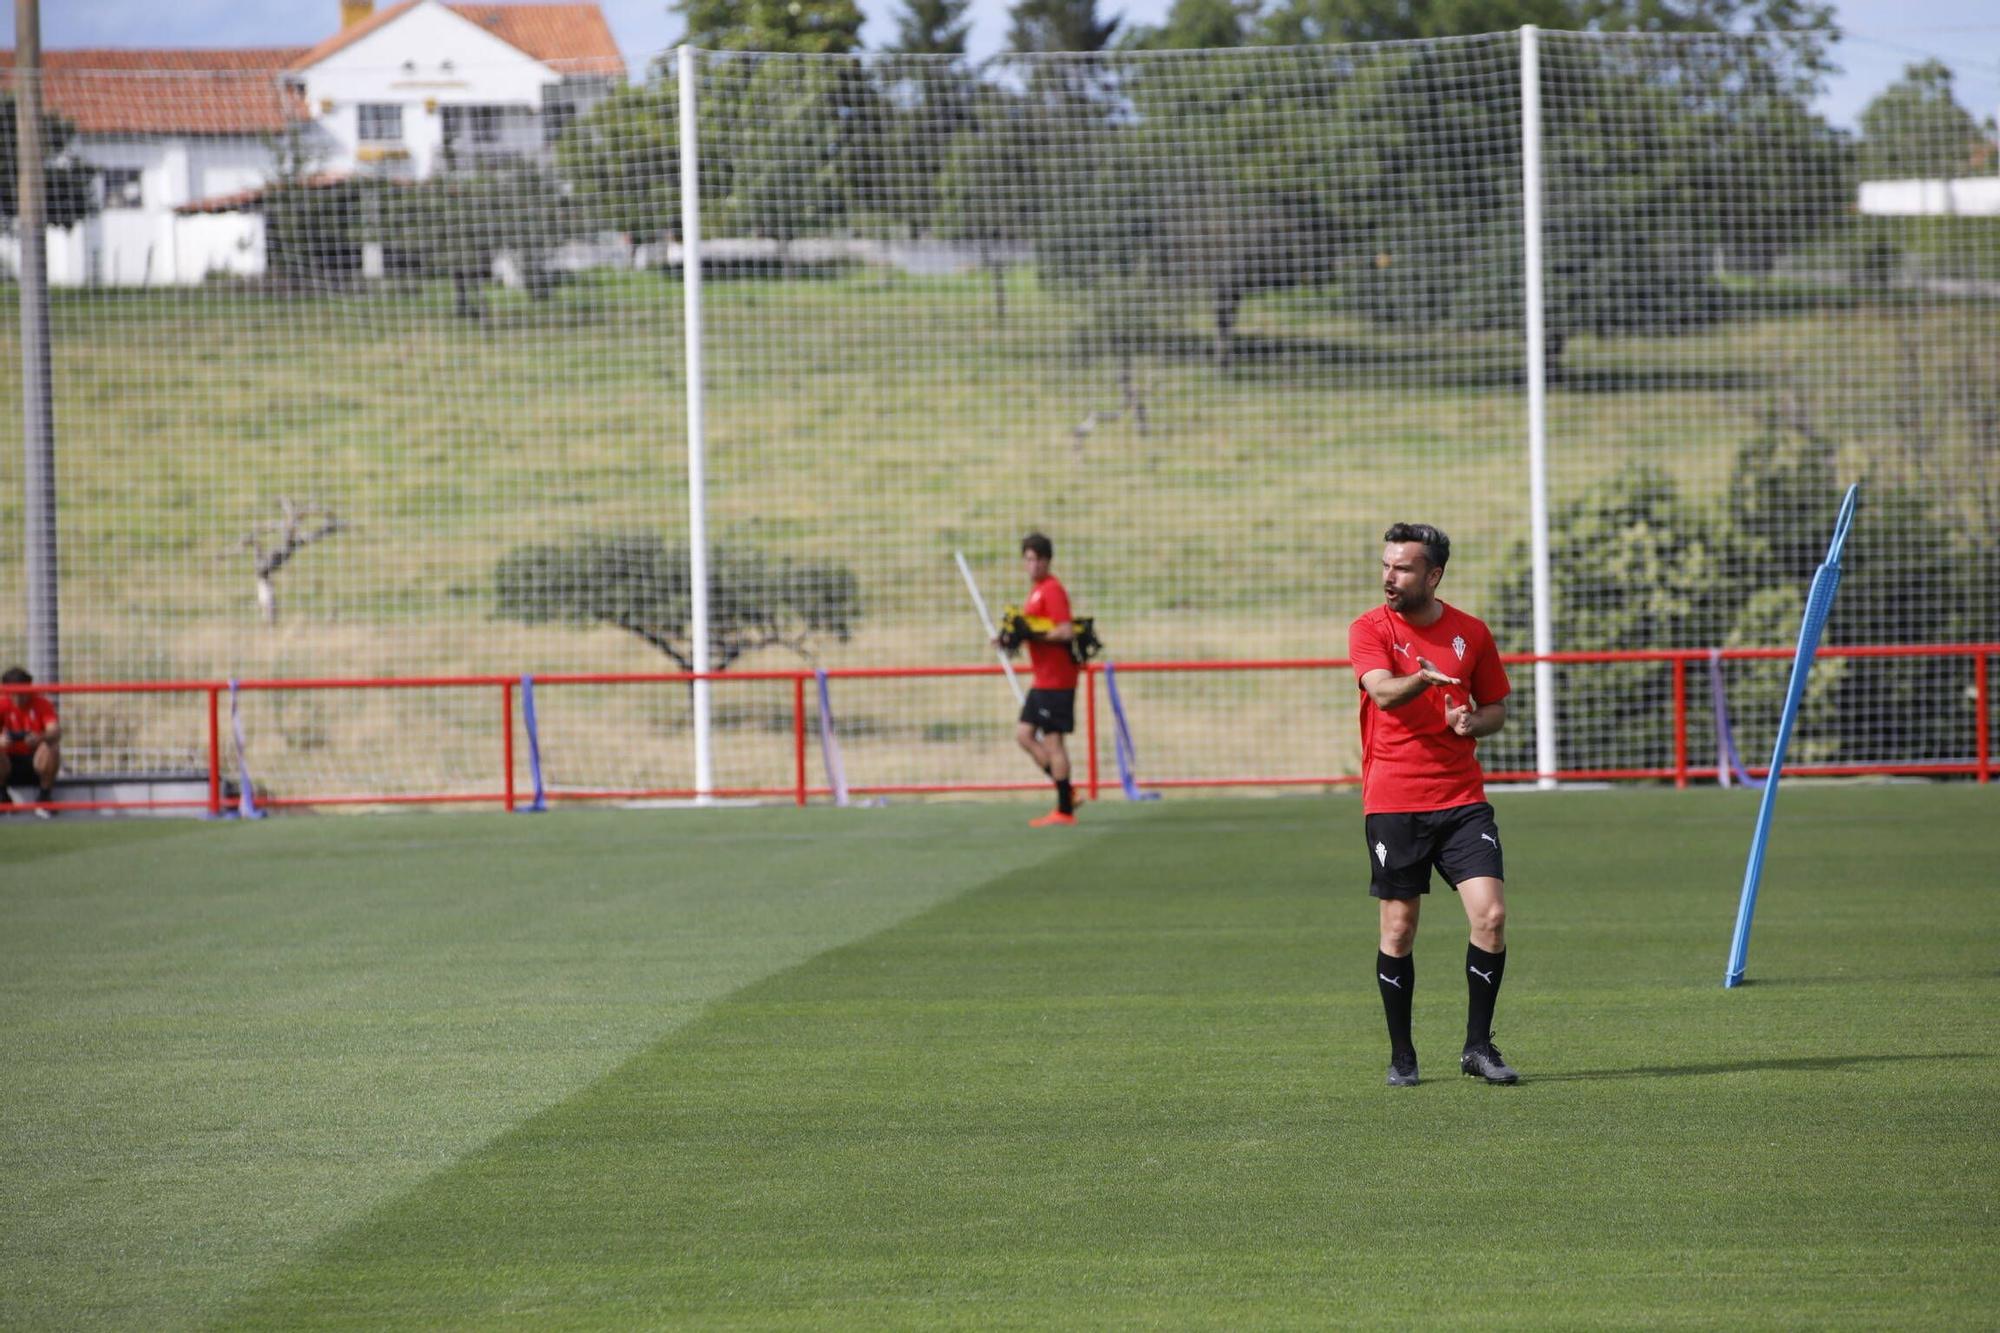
(1428, 670)
(1390, 690)
(1462, 716)
(1476, 723)
(1459, 717)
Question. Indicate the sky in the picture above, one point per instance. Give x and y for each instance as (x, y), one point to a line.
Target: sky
(1883, 35)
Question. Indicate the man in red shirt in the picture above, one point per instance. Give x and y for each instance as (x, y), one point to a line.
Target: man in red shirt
(1431, 685)
(31, 735)
(1049, 714)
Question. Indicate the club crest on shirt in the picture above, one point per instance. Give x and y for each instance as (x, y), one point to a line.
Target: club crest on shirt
(1458, 646)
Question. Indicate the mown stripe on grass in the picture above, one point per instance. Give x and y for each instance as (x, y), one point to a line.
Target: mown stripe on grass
(1140, 1084)
(224, 1043)
(24, 841)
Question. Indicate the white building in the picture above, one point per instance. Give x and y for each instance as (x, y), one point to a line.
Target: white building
(1963, 196)
(402, 90)
(185, 139)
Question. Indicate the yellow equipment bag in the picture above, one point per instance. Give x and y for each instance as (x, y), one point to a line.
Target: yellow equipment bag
(1017, 628)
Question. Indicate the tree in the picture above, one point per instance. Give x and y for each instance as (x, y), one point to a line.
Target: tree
(932, 28)
(1657, 163)
(989, 186)
(801, 27)
(1232, 162)
(803, 140)
(622, 162)
(313, 231)
(797, 142)
(69, 188)
(1800, 29)
(1429, 181)
(1097, 232)
(1059, 25)
(1915, 128)
(313, 224)
(929, 92)
(457, 225)
(640, 584)
(1788, 36)
(1656, 571)
(1212, 182)
(272, 544)
(1049, 27)
(929, 95)
(1299, 22)
(1200, 25)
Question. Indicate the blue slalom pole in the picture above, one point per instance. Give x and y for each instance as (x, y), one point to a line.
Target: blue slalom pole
(1727, 760)
(540, 804)
(246, 797)
(1128, 754)
(829, 743)
(1819, 604)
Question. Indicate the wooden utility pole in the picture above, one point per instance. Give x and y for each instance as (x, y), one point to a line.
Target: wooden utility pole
(38, 419)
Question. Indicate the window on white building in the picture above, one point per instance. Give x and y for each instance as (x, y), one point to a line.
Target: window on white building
(470, 125)
(557, 117)
(122, 188)
(380, 122)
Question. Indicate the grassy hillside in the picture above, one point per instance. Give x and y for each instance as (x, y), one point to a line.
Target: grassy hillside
(881, 421)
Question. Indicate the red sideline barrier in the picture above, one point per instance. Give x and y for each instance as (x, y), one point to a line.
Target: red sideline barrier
(800, 792)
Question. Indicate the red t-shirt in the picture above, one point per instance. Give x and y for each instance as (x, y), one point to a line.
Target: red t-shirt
(37, 715)
(1055, 669)
(1410, 760)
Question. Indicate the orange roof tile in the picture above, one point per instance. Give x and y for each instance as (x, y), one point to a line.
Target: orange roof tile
(352, 33)
(236, 91)
(237, 200)
(572, 38)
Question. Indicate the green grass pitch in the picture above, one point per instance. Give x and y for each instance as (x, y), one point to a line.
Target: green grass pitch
(917, 1066)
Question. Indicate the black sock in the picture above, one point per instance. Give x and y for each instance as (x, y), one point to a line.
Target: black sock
(1483, 971)
(1396, 978)
(1065, 797)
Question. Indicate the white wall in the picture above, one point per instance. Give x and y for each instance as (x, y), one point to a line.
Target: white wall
(152, 245)
(161, 183)
(226, 166)
(1969, 197)
(215, 244)
(427, 59)
(131, 249)
(180, 169)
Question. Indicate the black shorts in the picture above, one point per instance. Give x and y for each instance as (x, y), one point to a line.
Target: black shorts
(1050, 710)
(1462, 842)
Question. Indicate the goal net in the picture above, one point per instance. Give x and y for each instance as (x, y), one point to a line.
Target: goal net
(353, 382)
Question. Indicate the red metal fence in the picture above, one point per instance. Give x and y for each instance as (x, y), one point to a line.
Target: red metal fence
(801, 790)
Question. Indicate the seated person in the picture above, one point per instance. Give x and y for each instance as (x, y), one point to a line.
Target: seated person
(32, 738)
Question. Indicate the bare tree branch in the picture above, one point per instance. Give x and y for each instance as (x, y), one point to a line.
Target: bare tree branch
(275, 541)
